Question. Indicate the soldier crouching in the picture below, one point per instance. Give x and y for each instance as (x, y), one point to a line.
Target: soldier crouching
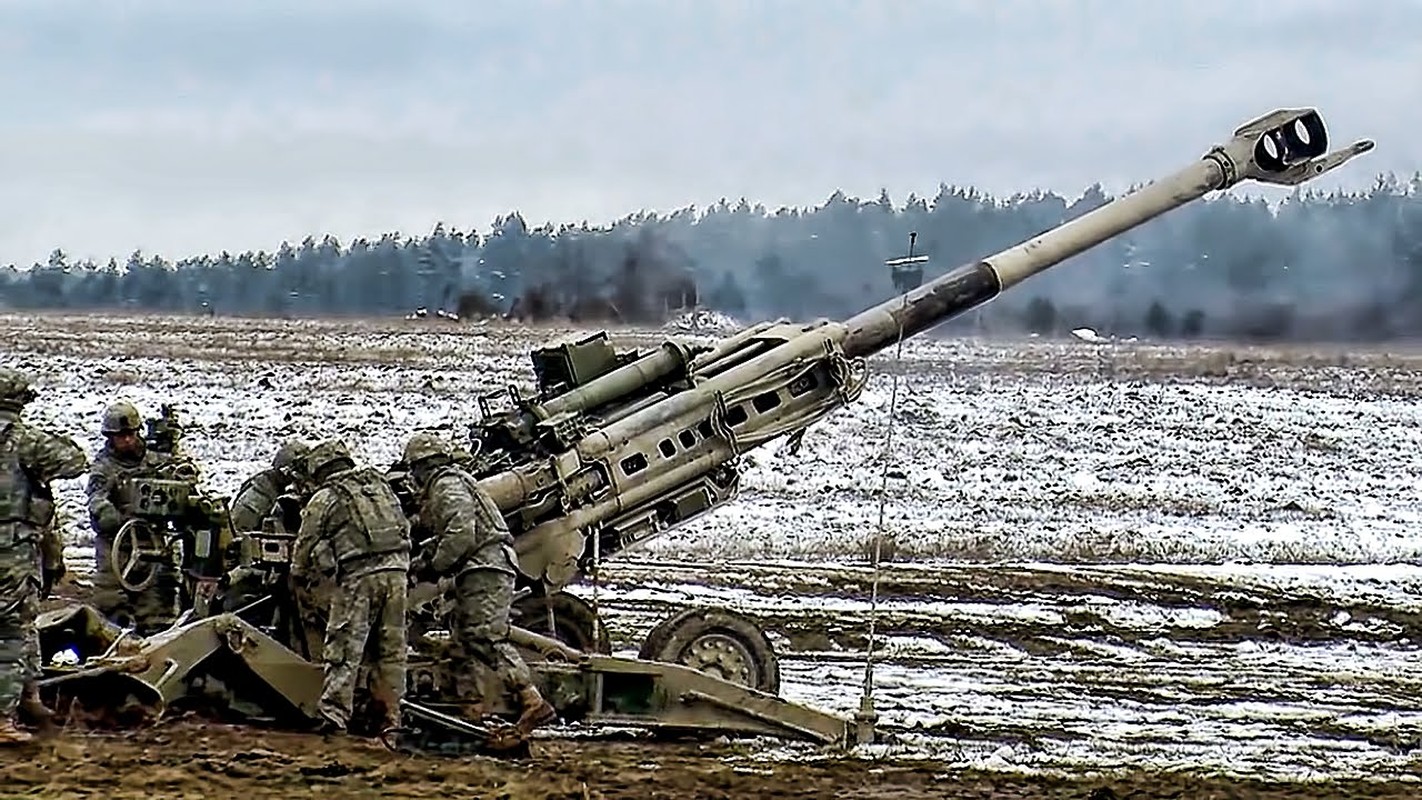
(473, 546)
(355, 539)
(29, 459)
(126, 455)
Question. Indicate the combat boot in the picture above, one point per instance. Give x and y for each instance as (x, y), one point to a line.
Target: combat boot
(34, 709)
(11, 734)
(536, 711)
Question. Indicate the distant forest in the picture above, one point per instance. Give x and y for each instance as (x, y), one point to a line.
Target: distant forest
(1318, 266)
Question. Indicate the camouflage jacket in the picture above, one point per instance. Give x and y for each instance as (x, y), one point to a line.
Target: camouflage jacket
(463, 518)
(29, 460)
(106, 487)
(342, 538)
(255, 500)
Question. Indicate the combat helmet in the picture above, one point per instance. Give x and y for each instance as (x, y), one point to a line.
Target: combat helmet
(325, 455)
(15, 389)
(425, 445)
(122, 417)
(289, 455)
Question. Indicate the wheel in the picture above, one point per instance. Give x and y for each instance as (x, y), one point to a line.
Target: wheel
(719, 643)
(135, 554)
(573, 621)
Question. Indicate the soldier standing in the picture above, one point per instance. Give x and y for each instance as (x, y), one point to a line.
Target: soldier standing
(29, 459)
(355, 539)
(473, 546)
(126, 455)
(258, 494)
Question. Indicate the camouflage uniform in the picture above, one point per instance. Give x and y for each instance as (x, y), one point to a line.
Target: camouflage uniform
(29, 557)
(257, 497)
(354, 536)
(155, 608)
(475, 548)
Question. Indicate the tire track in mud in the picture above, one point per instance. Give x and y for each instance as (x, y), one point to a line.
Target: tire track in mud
(1249, 671)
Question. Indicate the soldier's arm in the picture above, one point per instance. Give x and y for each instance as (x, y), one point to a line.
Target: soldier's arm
(308, 536)
(104, 516)
(449, 512)
(51, 547)
(247, 511)
(48, 456)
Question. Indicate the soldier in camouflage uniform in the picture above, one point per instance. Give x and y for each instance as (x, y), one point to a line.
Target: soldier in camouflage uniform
(473, 546)
(126, 455)
(258, 495)
(355, 538)
(29, 459)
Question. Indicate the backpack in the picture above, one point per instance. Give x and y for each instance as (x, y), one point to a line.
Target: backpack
(15, 486)
(378, 524)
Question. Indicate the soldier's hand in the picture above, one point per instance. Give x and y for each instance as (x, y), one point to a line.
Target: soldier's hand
(50, 576)
(110, 519)
(420, 570)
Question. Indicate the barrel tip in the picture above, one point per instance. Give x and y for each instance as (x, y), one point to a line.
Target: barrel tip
(1362, 146)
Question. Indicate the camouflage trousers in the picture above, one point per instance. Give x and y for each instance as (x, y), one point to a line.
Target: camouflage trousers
(479, 624)
(366, 626)
(19, 605)
(148, 611)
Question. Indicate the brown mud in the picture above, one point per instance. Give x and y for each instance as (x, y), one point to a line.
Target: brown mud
(191, 759)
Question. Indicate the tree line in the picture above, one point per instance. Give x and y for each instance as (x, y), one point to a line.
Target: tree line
(1314, 266)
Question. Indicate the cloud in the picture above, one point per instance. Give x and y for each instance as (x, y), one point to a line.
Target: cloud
(186, 127)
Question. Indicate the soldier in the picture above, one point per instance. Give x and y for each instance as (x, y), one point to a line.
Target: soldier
(258, 495)
(355, 539)
(125, 455)
(29, 459)
(473, 546)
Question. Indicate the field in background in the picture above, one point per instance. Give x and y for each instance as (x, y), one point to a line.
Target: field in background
(1103, 555)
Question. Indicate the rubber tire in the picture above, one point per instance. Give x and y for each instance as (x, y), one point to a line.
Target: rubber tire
(573, 617)
(670, 639)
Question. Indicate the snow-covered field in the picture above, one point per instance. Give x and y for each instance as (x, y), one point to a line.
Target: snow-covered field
(1101, 555)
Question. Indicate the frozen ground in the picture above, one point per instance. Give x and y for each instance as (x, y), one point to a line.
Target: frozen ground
(1102, 555)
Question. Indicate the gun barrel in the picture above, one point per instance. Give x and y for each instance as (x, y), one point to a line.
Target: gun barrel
(1285, 147)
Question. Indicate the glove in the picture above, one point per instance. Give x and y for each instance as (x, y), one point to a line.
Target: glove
(49, 576)
(110, 520)
(420, 570)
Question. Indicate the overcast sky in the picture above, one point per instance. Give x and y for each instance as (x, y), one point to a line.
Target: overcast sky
(192, 126)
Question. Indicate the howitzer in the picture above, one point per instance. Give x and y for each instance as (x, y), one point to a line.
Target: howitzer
(614, 448)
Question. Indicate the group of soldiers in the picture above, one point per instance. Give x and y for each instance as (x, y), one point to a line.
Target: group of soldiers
(352, 555)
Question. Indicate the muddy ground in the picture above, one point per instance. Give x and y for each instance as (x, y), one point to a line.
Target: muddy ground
(190, 759)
